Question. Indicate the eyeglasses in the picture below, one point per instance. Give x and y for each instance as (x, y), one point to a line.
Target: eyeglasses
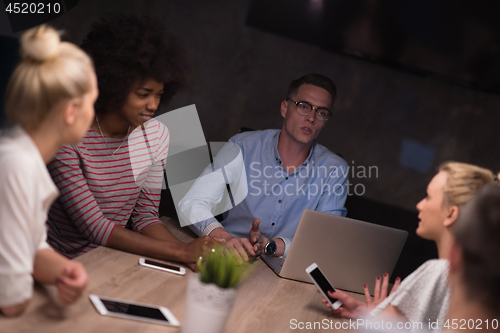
(304, 108)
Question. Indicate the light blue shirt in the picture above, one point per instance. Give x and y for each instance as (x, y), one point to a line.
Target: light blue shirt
(277, 197)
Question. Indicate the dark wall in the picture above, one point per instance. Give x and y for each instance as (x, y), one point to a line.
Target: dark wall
(400, 123)
(403, 124)
(9, 54)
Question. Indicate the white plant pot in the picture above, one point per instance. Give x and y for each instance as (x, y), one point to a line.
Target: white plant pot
(207, 306)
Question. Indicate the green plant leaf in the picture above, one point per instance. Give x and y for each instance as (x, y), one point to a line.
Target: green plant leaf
(222, 268)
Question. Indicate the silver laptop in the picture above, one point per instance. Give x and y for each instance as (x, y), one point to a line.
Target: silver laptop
(350, 253)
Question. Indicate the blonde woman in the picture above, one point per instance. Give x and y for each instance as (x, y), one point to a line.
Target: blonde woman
(424, 295)
(49, 102)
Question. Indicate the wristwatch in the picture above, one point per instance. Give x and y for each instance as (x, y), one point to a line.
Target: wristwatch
(271, 247)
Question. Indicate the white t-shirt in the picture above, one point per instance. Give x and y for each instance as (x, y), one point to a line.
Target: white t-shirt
(424, 296)
(26, 194)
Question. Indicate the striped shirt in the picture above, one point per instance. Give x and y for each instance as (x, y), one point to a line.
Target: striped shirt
(103, 184)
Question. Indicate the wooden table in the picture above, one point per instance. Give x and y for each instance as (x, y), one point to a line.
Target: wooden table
(265, 302)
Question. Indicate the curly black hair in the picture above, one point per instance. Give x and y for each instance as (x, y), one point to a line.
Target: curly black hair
(127, 49)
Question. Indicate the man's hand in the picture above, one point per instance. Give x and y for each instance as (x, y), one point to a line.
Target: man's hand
(256, 239)
(240, 247)
(72, 282)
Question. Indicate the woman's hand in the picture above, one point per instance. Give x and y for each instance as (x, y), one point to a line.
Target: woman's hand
(353, 308)
(381, 288)
(72, 282)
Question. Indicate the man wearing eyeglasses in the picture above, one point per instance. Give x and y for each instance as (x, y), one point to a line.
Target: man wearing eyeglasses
(287, 171)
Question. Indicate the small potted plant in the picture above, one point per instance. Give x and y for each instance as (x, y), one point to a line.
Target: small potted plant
(211, 292)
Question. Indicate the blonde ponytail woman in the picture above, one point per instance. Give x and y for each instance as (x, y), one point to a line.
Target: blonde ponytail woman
(49, 102)
(424, 295)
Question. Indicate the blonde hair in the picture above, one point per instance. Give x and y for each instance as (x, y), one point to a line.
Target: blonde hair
(463, 182)
(50, 71)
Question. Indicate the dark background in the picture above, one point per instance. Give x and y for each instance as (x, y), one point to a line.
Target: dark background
(403, 121)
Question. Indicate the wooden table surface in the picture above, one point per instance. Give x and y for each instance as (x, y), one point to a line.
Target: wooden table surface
(265, 302)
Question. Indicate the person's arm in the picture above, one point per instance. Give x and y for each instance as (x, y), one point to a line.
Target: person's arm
(81, 206)
(129, 241)
(154, 142)
(69, 276)
(145, 214)
(207, 192)
(22, 232)
(196, 207)
(160, 232)
(18, 230)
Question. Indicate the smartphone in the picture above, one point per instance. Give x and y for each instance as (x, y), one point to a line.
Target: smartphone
(162, 266)
(124, 309)
(323, 285)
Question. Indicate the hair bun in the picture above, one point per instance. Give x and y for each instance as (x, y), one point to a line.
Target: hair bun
(40, 44)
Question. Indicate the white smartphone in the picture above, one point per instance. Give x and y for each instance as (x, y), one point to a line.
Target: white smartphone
(323, 285)
(162, 266)
(124, 309)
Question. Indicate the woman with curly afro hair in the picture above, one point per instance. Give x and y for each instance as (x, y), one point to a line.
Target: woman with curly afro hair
(114, 175)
